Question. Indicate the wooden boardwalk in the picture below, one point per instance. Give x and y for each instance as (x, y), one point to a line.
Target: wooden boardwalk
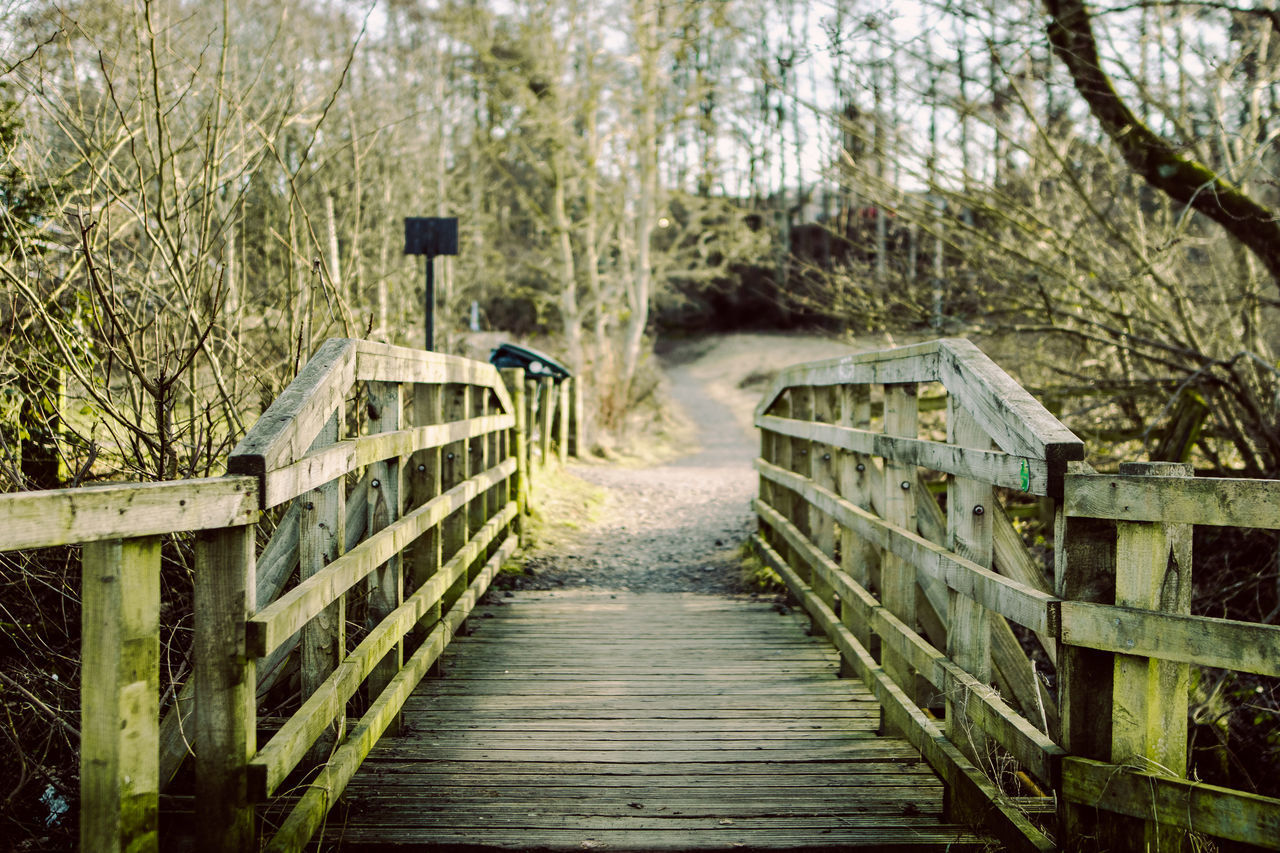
(585, 720)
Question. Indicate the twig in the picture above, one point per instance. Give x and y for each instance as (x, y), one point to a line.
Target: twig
(41, 706)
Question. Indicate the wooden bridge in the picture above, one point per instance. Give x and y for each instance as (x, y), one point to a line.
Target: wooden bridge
(423, 719)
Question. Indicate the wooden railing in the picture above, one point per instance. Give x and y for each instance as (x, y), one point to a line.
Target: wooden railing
(918, 599)
(1129, 642)
(406, 522)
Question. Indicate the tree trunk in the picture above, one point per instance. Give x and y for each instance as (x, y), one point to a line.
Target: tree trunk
(646, 14)
(1183, 179)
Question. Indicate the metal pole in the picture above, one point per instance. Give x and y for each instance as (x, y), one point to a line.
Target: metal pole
(431, 302)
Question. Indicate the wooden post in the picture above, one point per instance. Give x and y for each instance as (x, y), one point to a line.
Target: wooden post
(120, 695)
(493, 455)
(859, 558)
(1150, 697)
(802, 464)
(457, 406)
(504, 444)
(1084, 556)
(478, 451)
(898, 577)
(226, 681)
(577, 424)
(823, 466)
(514, 379)
(547, 400)
(766, 489)
(782, 455)
(970, 516)
(321, 540)
(563, 413)
(423, 485)
(531, 418)
(386, 583)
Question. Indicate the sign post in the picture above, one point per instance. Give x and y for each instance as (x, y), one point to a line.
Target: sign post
(431, 236)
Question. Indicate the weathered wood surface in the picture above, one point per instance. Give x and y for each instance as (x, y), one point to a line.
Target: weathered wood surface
(1202, 640)
(309, 813)
(225, 684)
(321, 543)
(898, 583)
(119, 773)
(289, 425)
(1218, 502)
(287, 746)
(1023, 604)
(969, 533)
(387, 363)
(124, 511)
(862, 613)
(321, 466)
(1015, 420)
(913, 363)
(969, 787)
(1196, 806)
(1026, 474)
(1150, 696)
(275, 623)
(642, 722)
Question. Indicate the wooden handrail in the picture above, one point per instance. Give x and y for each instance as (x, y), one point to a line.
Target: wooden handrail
(286, 456)
(56, 517)
(1117, 620)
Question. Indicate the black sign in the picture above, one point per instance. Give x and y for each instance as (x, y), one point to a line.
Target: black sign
(431, 235)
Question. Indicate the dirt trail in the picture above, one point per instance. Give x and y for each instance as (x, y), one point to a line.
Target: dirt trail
(669, 528)
(677, 527)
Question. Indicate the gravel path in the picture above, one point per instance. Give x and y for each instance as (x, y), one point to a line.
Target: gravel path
(672, 528)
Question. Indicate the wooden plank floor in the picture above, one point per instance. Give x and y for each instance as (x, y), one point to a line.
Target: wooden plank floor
(586, 720)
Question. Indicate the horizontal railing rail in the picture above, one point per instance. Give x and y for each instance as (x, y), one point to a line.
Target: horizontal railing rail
(404, 522)
(918, 598)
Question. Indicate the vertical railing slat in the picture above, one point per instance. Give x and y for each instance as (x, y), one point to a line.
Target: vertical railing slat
(823, 467)
(386, 585)
(456, 468)
(783, 453)
(547, 404)
(577, 426)
(478, 450)
(1084, 560)
(424, 484)
(226, 683)
(970, 513)
(858, 557)
(519, 444)
(321, 540)
(563, 414)
(120, 695)
(492, 449)
(1150, 697)
(898, 577)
